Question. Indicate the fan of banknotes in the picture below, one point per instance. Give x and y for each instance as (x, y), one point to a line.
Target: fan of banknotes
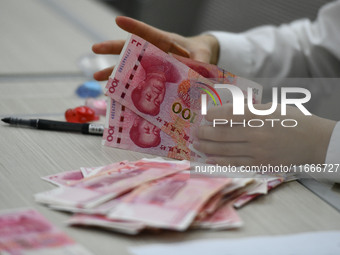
(129, 197)
(155, 98)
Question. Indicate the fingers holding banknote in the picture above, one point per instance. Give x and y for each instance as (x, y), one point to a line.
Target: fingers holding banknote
(204, 48)
(103, 74)
(254, 140)
(113, 47)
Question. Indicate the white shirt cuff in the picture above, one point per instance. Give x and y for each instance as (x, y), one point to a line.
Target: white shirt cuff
(332, 173)
(235, 53)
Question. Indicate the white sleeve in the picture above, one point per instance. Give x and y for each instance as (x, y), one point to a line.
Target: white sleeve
(299, 49)
(332, 173)
(333, 155)
(333, 151)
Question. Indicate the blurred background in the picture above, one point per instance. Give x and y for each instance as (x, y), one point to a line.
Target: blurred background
(190, 17)
(31, 28)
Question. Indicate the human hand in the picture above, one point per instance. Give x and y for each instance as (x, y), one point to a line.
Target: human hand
(306, 143)
(204, 48)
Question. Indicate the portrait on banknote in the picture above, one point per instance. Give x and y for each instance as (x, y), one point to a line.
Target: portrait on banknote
(149, 94)
(144, 134)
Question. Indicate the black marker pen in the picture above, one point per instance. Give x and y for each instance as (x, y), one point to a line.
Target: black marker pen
(85, 128)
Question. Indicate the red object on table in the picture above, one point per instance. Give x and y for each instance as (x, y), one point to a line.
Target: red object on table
(81, 114)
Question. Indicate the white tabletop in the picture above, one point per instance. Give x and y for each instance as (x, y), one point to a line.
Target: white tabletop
(49, 36)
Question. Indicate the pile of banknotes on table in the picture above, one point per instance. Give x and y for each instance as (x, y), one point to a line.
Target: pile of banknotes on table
(151, 194)
(155, 106)
(154, 99)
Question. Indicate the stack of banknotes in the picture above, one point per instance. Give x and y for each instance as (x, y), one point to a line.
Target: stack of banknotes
(152, 194)
(155, 99)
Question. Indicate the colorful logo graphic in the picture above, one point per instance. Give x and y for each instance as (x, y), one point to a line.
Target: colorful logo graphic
(209, 93)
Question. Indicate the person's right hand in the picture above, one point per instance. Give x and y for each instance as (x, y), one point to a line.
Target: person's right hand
(204, 48)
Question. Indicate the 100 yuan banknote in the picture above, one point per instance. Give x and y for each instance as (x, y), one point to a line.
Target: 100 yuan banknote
(219, 75)
(163, 90)
(225, 217)
(126, 227)
(126, 130)
(156, 86)
(95, 190)
(172, 202)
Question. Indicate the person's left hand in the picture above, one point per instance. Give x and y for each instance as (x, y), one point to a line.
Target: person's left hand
(306, 143)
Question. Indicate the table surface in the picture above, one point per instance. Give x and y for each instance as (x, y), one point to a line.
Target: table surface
(40, 45)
